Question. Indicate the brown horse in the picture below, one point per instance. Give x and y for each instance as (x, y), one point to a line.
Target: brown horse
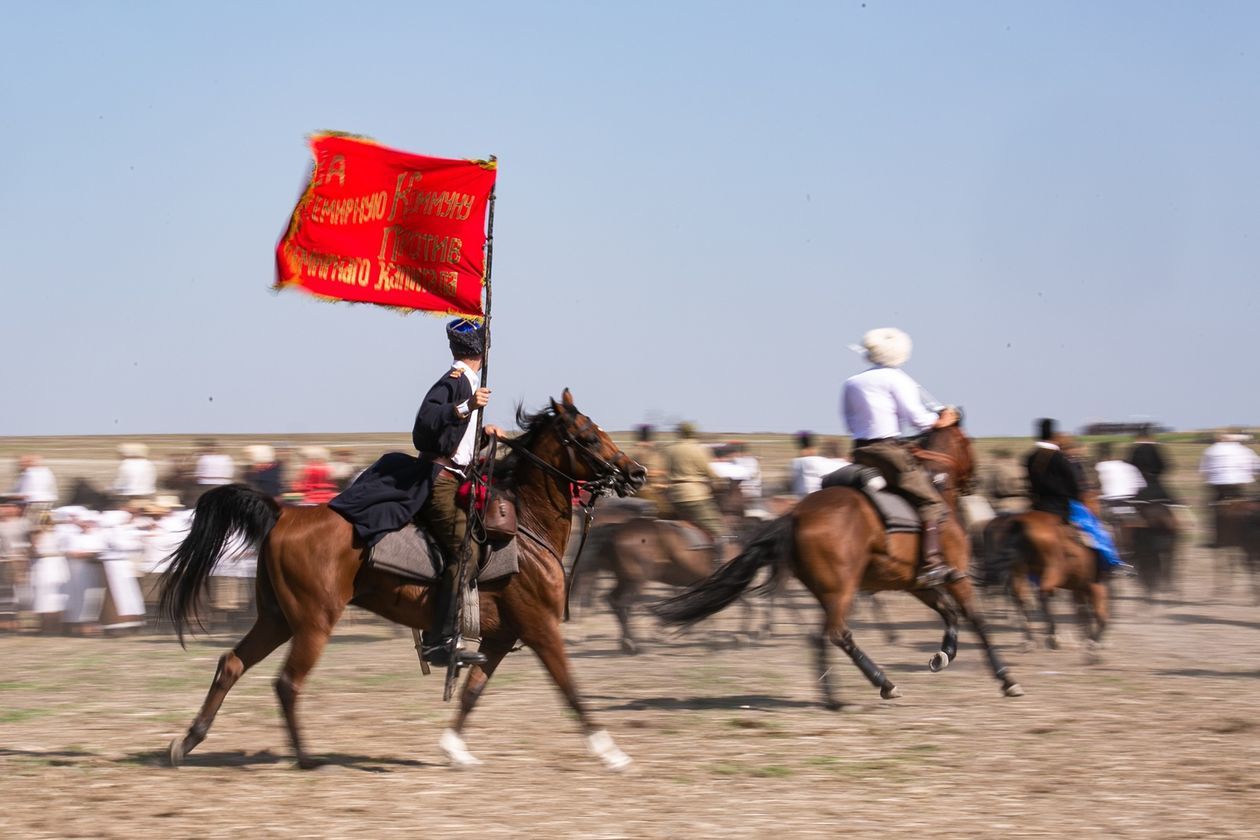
(835, 544)
(1042, 546)
(310, 567)
(1237, 524)
(1150, 535)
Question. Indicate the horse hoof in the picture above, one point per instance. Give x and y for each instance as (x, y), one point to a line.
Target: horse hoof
(833, 705)
(177, 752)
(629, 646)
(1053, 643)
(1013, 690)
(890, 692)
(939, 661)
(456, 750)
(606, 750)
(308, 763)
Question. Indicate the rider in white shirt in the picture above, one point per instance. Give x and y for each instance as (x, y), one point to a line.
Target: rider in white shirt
(1228, 467)
(1118, 481)
(137, 477)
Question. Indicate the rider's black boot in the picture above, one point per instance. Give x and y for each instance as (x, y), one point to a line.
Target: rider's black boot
(934, 571)
(438, 643)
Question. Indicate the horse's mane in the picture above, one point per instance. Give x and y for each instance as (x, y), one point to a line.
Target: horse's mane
(531, 425)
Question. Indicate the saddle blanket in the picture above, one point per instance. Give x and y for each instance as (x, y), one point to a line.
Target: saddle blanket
(410, 553)
(899, 515)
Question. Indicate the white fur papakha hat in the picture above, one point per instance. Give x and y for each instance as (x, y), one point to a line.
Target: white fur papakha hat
(887, 347)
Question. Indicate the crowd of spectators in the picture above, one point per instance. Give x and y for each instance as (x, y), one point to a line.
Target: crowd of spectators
(86, 560)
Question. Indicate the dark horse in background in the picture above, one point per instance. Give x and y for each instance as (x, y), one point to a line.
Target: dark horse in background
(310, 567)
(836, 545)
(1237, 524)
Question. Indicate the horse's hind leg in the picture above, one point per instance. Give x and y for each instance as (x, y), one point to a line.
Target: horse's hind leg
(945, 608)
(622, 598)
(964, 596)
(308, 644)
(269, 632)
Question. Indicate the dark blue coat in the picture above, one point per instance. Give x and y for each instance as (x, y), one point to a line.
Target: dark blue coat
(391, 492)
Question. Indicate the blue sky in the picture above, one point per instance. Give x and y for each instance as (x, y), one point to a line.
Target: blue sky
(700, 206)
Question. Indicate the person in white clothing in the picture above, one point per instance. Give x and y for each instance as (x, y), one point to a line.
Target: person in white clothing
(37, 485)
(1229, 467)
(809, 467)
(1118, 481)
(214, 467)
(877, 404)
(136, 479)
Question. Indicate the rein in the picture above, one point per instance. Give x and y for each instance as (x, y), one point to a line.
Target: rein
(593, 488)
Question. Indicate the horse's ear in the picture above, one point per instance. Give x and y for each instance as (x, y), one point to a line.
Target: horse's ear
(567, 396)
(556, 407)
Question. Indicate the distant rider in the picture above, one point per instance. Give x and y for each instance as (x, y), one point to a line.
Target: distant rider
(1056, 488)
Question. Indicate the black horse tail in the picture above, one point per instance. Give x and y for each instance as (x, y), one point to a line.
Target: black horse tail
(1003, 544)
(772, 546)
(220, 514)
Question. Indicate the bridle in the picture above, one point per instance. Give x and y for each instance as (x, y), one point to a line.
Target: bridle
(607, 479)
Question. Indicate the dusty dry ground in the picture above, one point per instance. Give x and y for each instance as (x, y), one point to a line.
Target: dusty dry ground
(1160, 740)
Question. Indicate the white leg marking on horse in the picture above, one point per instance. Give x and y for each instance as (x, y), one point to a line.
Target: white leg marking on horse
(456, 750)
(606, 750)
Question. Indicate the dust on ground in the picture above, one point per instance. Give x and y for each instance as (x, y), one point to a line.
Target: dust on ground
(1159, 740)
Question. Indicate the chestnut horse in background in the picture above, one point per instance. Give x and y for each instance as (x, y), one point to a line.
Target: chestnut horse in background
(835, 544)
(311, 566)
(1043, 547)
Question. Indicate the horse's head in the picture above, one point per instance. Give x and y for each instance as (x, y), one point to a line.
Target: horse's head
(949, 451)
(572, 445)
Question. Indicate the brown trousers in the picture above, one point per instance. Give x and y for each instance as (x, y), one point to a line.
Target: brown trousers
(904, 476)
(445, 521)
(704, 514)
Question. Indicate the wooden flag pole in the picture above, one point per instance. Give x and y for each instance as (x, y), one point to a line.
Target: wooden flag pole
(462, 571)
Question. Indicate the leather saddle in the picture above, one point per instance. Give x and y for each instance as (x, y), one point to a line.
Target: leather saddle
(897, 514)
(411, 553)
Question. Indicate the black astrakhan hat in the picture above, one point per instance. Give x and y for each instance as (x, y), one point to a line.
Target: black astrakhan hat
(467, 338)
(1046, 429)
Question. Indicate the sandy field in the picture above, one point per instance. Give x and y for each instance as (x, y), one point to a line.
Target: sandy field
(1159, 740)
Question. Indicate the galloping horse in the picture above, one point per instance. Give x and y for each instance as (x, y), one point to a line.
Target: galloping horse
(311, 566)
(1043, 546)
(1151, 536)
(835, 544)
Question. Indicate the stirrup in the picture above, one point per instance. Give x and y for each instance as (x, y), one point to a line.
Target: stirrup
(440, 654)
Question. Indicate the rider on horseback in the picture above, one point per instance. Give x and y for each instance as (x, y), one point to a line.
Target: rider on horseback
(1056, 489)
(445, 433)
(876, 403)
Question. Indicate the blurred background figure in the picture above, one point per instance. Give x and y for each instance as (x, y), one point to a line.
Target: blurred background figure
(263, 471)
(85, 590)
(123, 606)
(810, 466)
(15, 561)
(214, 467)
(691, 477)
(649, 455)
(342, 469)
(1119, 482)
(1147, 456)
(1228, 467)
(314, 483)
(136, 479)
(37, 485)
(180, 477)
(1007, 484)
(750, 468)
(168, 524)
(49, 575)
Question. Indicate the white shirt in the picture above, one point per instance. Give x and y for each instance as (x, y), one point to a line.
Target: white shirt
(877, 403)
(751, 485)
(808, 472)
(215, 468)
(136, 477)
(468, 443)
(37, 485)
(1229, 462)
(1118, 480)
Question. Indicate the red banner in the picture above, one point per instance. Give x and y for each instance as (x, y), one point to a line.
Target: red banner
(376, 225)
